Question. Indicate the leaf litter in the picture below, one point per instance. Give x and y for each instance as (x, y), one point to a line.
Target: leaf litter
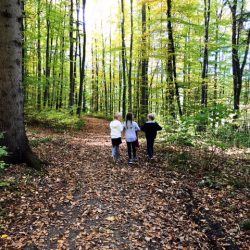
(84, 201)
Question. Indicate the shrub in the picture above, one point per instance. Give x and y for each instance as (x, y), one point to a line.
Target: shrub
(3, 152)
(245, 225)
(232, 136)
(54, 119)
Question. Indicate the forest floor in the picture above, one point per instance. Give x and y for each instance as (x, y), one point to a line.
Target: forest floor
(84, 201)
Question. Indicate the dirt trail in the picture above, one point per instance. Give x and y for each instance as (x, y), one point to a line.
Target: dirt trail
(87, 202)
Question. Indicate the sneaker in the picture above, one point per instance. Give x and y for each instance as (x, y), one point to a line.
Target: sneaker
(150, 158)
(130, 161)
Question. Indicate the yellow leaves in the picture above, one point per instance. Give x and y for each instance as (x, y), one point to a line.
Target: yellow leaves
(5, 236)
(60, 242)
(111, 218)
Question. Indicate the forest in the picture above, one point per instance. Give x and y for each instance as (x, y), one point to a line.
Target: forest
(68, 67)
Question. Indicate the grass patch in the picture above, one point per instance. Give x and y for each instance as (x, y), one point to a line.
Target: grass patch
(3, 153)
(59, 121)
(38, 141)
(5, 184)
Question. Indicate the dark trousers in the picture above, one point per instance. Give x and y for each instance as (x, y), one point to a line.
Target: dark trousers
(150, 147)
(131, 147)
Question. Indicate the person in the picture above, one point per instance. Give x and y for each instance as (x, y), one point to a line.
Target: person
(131, 127)
(116, 128)
(150, 128)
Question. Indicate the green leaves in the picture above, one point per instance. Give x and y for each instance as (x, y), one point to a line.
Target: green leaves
(3, 152)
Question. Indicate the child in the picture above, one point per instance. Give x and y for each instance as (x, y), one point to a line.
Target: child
(131, 128)
(150, 128)
(116, 134)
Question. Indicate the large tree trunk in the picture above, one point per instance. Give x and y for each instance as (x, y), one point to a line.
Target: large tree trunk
(11, 88)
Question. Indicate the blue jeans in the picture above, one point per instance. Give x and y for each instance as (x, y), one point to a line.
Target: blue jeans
(115, 152)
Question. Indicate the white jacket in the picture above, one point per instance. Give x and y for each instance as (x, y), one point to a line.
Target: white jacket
(116, 129)
(130, 131)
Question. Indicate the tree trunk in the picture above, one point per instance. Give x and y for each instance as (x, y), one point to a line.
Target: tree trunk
(11, 87)
(39, 58)
(110, 75)
(124, 96)
(238, 68)
(48, 50)
(170, 79)
(104, 76)
(205, 54)
(144, 68)
(172, 74)
(71, 57)
(81, 100)
(130, 57)
(97, 94)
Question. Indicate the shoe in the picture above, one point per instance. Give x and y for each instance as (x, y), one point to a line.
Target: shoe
(130, 161)
(135, 159)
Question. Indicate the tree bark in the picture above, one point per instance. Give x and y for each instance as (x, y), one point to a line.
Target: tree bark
(104, 76)
(130, 57)
(171, 65)
(238, 68)
(81, 100)
(47, 69)
(39, 58)
(124, 96)
(204, 90)
(71, 58)
(11, 86)
(144, 67)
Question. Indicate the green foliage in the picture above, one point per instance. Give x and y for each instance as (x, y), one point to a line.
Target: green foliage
(181, 138)
(239, 183)
(5, 183)
(57, 120)
(38, 141)
(209, 181)
(211, 127)
(229, 136)
(245, 225)
(101, 116)
(3, 152)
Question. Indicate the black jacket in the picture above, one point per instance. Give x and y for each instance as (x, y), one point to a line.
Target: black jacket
(150, 129)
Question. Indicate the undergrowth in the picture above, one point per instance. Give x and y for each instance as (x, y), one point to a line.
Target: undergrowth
(54, 119)
(101, 116)
(215, 168)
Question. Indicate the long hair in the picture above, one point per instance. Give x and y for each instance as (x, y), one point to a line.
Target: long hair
(129, 117)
